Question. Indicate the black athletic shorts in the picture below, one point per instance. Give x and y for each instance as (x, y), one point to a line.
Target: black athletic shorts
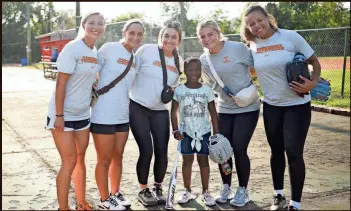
(109, 129)
(70, 125)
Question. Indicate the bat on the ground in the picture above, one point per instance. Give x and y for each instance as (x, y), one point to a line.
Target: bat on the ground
(173, 180)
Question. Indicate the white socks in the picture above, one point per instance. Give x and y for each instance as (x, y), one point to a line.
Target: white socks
(295, 204)
(281, 192)
(292, 203)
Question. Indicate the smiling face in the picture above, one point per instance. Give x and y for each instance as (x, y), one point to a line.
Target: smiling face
(94, 26)
(133, 35)
(193, 71)
(170, 39)
(209, 37)
(258, 24)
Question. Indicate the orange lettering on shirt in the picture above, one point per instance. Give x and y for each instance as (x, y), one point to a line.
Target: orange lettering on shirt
(169, 67)
(226, 59)
(270, 48)
(125, 62)
(88, 59)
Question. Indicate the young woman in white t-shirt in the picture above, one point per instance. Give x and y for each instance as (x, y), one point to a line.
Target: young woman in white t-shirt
(286, 115)
(231, 61)
(69, 110)
(110, 115)
(149, 116)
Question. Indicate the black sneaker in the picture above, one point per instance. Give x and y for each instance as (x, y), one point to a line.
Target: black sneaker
(292, 208)
(146, 198)
(279, 202)
(157, 192)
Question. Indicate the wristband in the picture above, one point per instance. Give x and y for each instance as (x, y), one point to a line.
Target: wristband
(175, 131)
(59, 115)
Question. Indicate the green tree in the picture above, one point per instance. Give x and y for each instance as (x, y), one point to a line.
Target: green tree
(65, 19)
(223, 21)
(309, 15)
(14, 27)
(127, 16)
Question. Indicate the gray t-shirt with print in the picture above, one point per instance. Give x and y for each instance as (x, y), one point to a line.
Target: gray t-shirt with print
(81, 62)
(232, 66)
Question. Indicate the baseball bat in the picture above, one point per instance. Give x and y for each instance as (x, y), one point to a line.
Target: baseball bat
(173, 180)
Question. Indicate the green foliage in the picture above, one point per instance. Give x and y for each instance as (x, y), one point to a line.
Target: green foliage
(14, 27)
(64, 20)
(309, 15)
(127, 16)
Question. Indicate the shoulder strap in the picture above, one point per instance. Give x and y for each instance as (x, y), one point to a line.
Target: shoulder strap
(118, 79)
(213, 71)
(164, 69)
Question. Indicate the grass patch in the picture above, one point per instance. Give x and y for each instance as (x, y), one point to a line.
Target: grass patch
(335, 78)
(335, 98)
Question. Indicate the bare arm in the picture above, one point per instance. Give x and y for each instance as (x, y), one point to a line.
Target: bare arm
(61, 82)
(214, 117)
(316, 73)
(174, 115)
(174, 120)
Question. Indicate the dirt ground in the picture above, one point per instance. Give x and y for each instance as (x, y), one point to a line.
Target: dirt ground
(30, 160)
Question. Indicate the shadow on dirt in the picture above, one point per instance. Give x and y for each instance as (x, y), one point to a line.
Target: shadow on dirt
(331, 129)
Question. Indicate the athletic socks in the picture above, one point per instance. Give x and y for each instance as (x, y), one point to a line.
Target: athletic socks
(297, 205)
(281, 192)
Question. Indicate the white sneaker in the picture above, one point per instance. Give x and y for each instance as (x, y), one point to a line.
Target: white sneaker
(241, 197)
(121, 200)
(185, 197)
(225, 194)
(208, 199)
(110, 204)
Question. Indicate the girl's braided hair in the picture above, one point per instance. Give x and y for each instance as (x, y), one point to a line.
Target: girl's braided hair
(174, 25)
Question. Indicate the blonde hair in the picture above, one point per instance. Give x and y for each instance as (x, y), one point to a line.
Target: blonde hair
(81, 32)
(211, 24)
(245, 32)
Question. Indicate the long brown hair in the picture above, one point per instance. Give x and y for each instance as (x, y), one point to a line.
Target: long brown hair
(174, 25)
(246, 34)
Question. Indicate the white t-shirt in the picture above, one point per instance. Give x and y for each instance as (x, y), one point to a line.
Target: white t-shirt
(193, 109)
(81, 62)
(148, 83)
(270, 57)
(113, 106)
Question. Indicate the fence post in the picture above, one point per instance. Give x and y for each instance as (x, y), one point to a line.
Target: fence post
(344, 66)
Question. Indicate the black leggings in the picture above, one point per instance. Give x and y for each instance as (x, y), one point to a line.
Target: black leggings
(142, 122)
(238, 129)
(286, 130)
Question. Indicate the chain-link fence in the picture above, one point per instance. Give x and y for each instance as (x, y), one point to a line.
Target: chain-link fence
(113, 32)
(332, 47)
(13, 52)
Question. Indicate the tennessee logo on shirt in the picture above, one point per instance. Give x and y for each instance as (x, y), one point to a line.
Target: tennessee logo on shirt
(88, 59)
(125, 62)
(169, 67)
(270, 48)
(226, 59)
